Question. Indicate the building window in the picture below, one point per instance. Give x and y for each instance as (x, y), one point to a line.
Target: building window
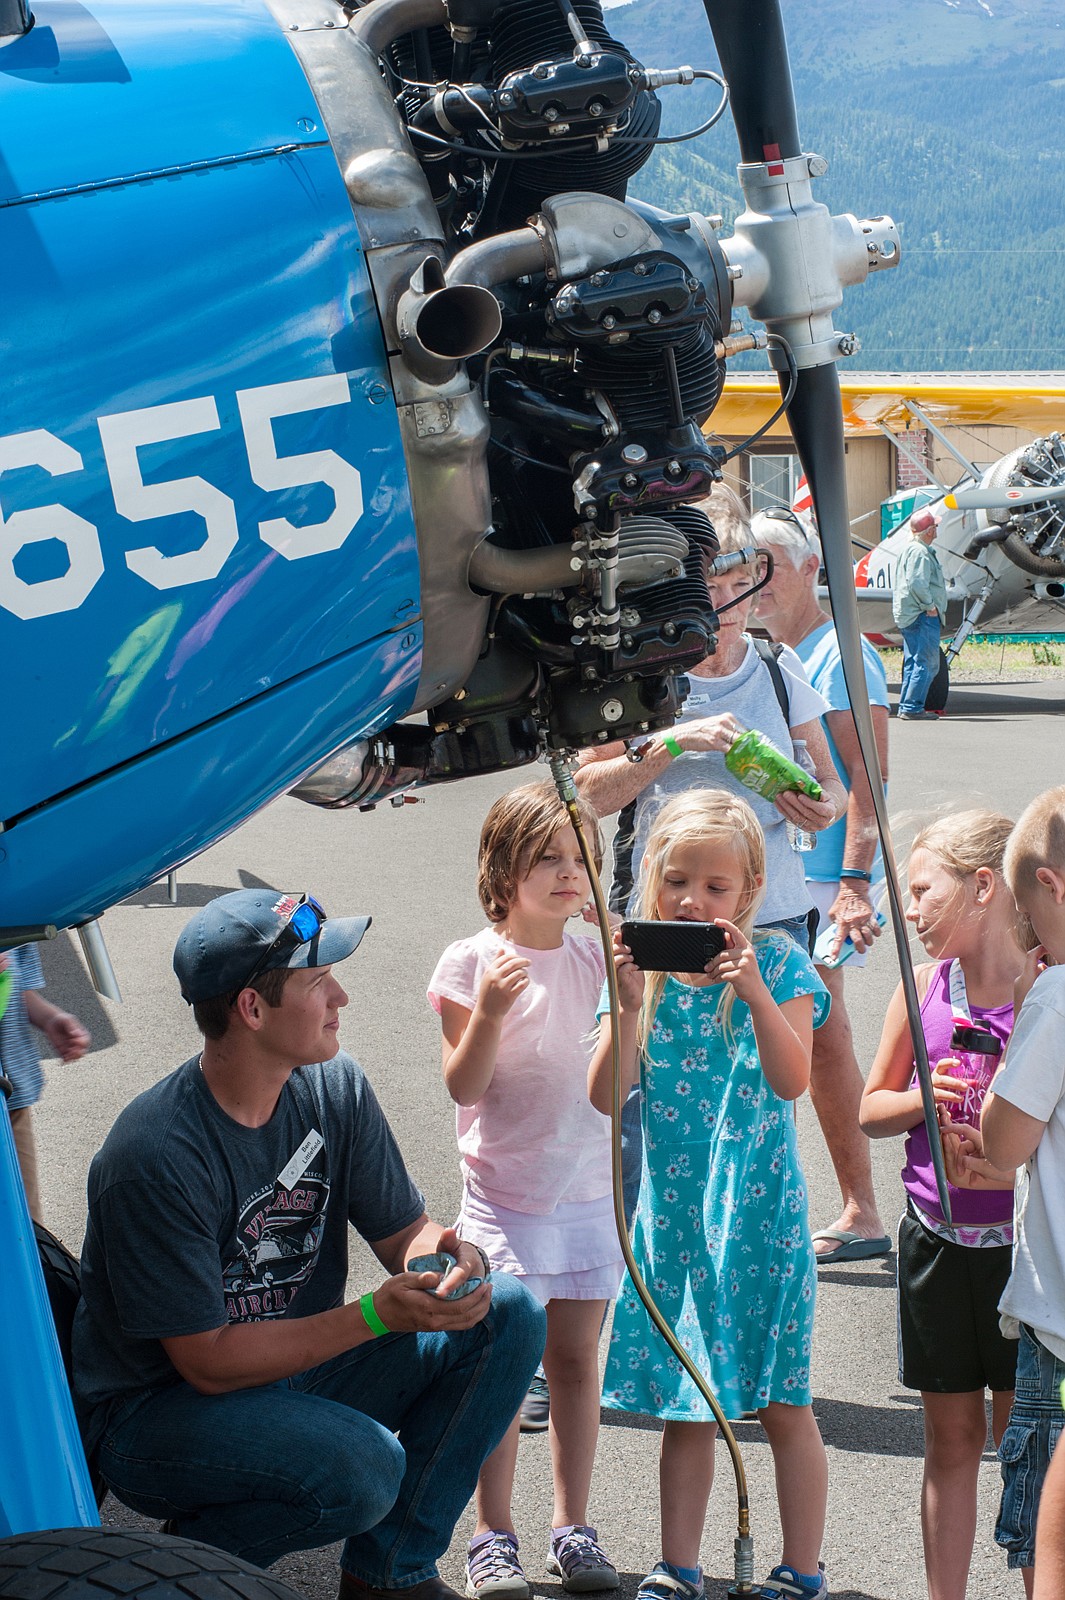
(773, 480)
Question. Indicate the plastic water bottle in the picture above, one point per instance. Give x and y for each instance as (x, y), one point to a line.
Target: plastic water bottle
(977, 1050)
(801, 839)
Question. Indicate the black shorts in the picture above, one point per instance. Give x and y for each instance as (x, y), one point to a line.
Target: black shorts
(949, 1339)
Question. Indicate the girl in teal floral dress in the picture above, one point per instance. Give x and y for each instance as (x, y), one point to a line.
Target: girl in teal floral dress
(721, 1230)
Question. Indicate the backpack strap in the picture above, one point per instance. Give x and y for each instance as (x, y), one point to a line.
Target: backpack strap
(624, 843)
(770, 653)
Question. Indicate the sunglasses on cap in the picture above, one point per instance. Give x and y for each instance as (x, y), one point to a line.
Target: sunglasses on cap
(301, 927)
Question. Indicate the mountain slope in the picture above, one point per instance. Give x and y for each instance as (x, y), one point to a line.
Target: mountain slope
(948, 115)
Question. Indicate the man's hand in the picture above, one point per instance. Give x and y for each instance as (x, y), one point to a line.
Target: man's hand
(66, 1035)
(854, 916)
(469, 1263)
(414, 1302)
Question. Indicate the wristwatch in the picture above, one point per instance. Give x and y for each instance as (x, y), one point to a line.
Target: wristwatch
(856, 872)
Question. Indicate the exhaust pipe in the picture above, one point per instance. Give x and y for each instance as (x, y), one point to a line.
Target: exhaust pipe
(441, 324)
(410, 756)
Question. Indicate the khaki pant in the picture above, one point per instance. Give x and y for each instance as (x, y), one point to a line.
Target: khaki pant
(26, 1150)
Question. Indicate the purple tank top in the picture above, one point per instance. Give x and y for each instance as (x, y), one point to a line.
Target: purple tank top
(918, 1178)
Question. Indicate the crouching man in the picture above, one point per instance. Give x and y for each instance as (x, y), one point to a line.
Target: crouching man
(230, 1389)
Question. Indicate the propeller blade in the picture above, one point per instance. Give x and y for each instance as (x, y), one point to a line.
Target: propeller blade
(752, 49)
(1004, 499)
(816, 419)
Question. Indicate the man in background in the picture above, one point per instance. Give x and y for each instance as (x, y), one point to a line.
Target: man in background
(919, 606)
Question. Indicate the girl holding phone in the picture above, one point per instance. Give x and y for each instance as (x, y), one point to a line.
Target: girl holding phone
(721, 1230)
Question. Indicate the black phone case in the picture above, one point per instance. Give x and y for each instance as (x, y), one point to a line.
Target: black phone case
(673, 946)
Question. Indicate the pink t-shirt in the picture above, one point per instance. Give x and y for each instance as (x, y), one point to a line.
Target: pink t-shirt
(534, 1139)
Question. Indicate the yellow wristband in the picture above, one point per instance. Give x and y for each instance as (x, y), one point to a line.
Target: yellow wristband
(670, 744)
(370, 1317)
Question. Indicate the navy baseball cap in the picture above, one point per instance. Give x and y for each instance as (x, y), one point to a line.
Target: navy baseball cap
(233, 938)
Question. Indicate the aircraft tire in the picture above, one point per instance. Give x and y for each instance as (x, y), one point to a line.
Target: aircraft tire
(939, 688)
(1028, 560)
(65, 1563)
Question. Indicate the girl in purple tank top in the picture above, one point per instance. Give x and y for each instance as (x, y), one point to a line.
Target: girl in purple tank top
(951, 1275)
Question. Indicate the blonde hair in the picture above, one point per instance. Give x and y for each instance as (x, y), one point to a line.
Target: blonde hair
(515, 836)
(700, 816)
(965, 841)
(1037, 841)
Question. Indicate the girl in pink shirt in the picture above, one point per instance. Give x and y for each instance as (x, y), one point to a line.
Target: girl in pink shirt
(517, 1004)
(951, 1275)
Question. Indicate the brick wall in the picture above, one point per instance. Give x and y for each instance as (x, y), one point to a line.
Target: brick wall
(919, 443)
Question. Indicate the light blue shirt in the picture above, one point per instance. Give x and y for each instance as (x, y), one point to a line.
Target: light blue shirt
(18, 1039)
(819, 654)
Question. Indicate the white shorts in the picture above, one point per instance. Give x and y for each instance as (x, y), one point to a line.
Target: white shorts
(572, 1253)
(823, 896)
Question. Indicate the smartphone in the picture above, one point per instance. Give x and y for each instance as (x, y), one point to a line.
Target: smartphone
(827, 939)
(673, 946)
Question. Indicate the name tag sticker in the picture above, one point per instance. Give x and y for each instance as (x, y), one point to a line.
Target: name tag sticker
(306, 1153)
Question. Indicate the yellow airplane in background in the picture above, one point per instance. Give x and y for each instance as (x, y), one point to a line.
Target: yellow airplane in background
(1001, 526)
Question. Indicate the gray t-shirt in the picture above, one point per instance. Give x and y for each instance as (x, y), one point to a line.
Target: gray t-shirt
(196, 1221)
(750, 696)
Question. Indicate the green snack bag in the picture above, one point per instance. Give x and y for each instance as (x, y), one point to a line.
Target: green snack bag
(6, 982)
(760, 766)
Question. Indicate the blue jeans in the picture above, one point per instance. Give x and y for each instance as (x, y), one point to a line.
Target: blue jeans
(920, 662)
(380, 1446)
(1036, 1422)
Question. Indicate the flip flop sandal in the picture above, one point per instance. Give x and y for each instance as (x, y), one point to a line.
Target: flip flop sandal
(851, 1246)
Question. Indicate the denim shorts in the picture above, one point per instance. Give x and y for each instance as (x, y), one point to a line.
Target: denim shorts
(802, 929)
(1035, 1423)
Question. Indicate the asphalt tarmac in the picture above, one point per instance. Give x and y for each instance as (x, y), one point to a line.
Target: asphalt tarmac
(413, 869)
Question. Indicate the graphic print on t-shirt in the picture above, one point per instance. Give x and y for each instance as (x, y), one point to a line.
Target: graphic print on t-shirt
(278, 1236)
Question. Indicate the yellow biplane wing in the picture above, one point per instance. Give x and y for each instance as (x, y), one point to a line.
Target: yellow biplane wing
(1030, 401)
